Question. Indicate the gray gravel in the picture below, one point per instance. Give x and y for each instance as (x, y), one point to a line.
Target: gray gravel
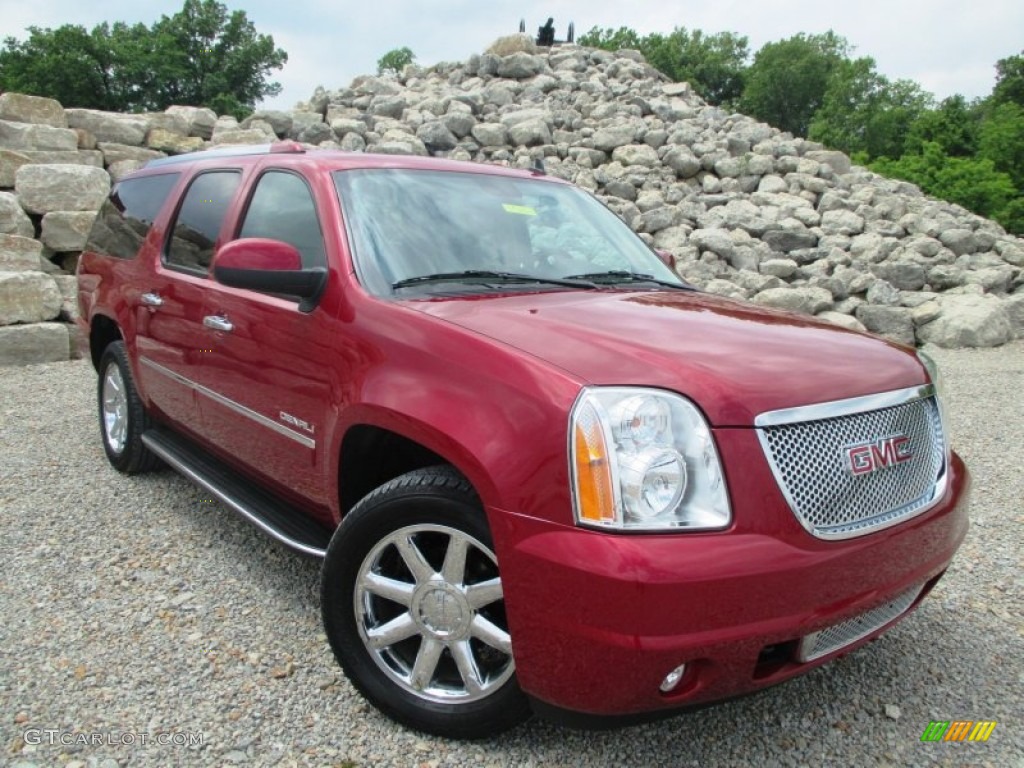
(136, 606)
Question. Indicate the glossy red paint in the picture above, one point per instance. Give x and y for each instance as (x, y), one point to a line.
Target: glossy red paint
(600, 620)
(487, 384)
(257, 253)
(733, 359)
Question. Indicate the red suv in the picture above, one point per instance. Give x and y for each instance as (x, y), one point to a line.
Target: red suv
(543, 472)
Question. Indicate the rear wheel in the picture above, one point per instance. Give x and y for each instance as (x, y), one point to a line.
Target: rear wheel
(122, 416)
(414, 610)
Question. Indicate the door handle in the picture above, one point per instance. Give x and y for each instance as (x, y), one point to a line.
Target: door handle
(218, 323)
(152, 299)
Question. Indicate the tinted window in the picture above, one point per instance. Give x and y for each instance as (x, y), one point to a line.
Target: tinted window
(124, 220)
(282, 208)
(199, 220)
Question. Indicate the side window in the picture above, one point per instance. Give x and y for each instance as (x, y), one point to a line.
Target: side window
(199, 221)
(282, 208)
(125, 218)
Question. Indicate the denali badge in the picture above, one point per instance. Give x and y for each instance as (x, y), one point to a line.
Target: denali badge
(297, 422)
(884, 452)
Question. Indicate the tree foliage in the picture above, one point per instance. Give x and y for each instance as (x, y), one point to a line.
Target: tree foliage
(974, 183)
(787, 81)
(202, 56)
(395, 60)
(1009, 81)
(713, 65)
(864, 112)
(953, 125)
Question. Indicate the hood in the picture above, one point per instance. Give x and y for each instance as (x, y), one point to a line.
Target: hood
(733, 359)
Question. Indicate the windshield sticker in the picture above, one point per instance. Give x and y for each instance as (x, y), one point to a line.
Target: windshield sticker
(522, 210)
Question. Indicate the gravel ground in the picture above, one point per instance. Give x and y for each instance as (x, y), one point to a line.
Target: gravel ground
(136, 606)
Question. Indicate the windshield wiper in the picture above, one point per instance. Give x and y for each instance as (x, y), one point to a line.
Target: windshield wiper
(485, 275)
(615, 276)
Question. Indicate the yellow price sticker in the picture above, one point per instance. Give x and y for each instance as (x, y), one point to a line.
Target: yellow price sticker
(522, 210)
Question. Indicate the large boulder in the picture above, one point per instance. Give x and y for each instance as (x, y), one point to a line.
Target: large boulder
(894, 323)
(530, 132)
(66, 230)
(21, 108)
(172, 143)
(808, 300)
(519, 65)
(110, 126)
(969, 321)
(20, 136)
(115, 153)
(200, 120)
(13, 219)
(20, 254)
(36, 343)
(28, 297)
(10, 162)
(45, 188)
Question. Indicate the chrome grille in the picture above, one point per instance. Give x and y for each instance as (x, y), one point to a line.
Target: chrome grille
(830, 639)
(811, 462)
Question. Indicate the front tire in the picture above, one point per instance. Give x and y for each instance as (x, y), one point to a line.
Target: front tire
(414, 611)
(123, 418)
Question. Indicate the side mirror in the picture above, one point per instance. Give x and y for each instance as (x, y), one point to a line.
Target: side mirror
(271, 266)
(666, 258)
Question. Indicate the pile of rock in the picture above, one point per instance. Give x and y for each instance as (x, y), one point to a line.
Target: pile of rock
(748, 211)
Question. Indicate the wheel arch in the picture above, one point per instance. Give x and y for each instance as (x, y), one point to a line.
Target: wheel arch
(371, 454)
(103, 331)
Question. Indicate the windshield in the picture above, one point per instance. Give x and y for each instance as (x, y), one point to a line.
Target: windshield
(451, 227)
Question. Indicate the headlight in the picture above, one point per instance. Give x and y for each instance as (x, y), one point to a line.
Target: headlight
(644, 459)
(936, 378)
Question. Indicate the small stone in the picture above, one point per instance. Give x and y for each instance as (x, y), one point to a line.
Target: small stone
(892, 711)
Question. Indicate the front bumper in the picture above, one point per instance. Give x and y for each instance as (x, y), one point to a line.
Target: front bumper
(598, 620)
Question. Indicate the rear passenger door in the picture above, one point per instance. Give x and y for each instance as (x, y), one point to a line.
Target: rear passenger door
(169, 331)
(266, 381)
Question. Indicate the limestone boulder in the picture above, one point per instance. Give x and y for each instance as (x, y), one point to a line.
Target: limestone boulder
(36, 343)
(110, 126)
(969, 321)
(67, 230)
(45, 188)
(22, 108)
(28, 297)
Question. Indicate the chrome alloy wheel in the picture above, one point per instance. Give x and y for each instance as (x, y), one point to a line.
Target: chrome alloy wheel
(429, 609)
(115, 408)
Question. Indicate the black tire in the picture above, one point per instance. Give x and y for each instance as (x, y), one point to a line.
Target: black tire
(430, 513)
(121, 414)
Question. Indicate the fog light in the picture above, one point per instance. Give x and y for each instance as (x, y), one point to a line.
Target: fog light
(672, 679)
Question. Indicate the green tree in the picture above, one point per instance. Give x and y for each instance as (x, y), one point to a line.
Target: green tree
(610, 39)
(953, 125)
(209, 57)
(863, 112)
(202, 56)
(1001, 140)
(971, 182)
(395, 60)
(714, 65)
(1009, 80)
(788, 79)
(69, 64)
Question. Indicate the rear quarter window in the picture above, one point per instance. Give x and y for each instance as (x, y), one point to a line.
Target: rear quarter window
(125, 218)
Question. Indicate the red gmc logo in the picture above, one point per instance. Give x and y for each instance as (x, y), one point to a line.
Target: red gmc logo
(884, 452)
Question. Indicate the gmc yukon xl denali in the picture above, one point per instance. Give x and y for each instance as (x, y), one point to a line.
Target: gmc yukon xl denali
(544, 474)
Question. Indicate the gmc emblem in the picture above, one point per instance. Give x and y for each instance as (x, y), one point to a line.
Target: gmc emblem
(885, 452)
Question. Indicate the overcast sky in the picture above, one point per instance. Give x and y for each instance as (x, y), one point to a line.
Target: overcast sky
(948, 46)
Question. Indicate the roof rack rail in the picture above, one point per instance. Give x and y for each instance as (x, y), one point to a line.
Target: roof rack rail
(231, 150)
